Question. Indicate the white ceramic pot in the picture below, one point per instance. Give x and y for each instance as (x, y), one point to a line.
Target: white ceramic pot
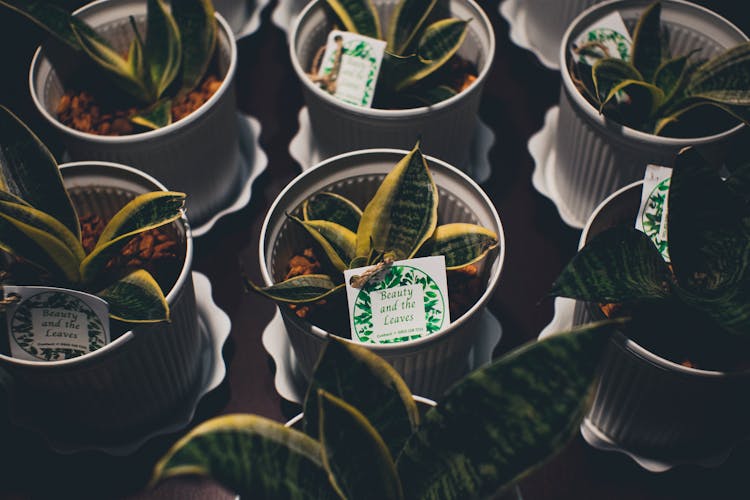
(654, 409)
(136, 381)
(595, 156)
(430, 364)
(447, 128)
(198, 155)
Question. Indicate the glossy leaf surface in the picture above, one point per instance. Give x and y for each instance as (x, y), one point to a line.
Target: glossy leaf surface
(334, 208)
(461, 244)
(136, 298)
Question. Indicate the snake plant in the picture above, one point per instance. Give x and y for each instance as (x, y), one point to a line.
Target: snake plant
(706, 286)
(39, 225)
(363, 437)
(400, 222)
(654, 89)
(172, 59)
(421, 38)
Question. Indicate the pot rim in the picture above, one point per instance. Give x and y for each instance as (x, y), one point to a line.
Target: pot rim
(391, 114)
(185, 274)
(142, 136)
(593, 115)
(630, 344)
(418, 399)
(408, 344)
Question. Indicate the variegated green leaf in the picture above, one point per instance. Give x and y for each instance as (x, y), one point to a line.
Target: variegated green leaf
(620, 264)
(144, 212)
(11, 198)
(647, 43)
(137, 58)
(610, 72)
(40, 220)
(136, 298)
(50, 17)
(303, 289)
(646, 96)
(672, 77)
(197, 25)
(251, 455)
(159, 115)
(403, 213)
(163, 46)
(16, 243)
(367, 382)
(407, 20)
(676, 113)
(337, 242)
(29, 171)
(504, 420)
(461, 244)
(334, 208)
(355, 456)
(358, 16)
(433, 95)
(724, 78)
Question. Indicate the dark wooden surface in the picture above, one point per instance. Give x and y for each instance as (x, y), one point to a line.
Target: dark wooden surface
(517, 94)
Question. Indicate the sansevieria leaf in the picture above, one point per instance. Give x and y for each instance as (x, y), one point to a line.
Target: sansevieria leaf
(433, 95)
(671, 77)
(136, 298)
(461, 244)
(620, 264)
(504, 420)
(356, 458)
(299, 289)
(42, 221)
(50, 17)
(359, 16)
(645, 95)
(29, 171)
(159, 115)
(163, 49)
(338, 242)
(647, 55)
(403, 212)
(137, 57)
(332, 207)
(251, 455)
(144, 212)
(367, 382)
(15, 242)
(197, 25)
(609, 72)
(406, 21)
(724, 78)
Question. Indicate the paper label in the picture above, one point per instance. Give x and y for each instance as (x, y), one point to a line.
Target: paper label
(50, 324)
(406, 300)
(607, 37)
(350, 67)
(652, 215)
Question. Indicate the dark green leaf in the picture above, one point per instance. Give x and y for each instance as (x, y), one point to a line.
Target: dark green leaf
(52, 18)
(359, 16)
(461, 244)
(299, 289)
(433, 95)
(647, 42)
(610, 72)
(197, 25)
(338, 243)
(645, 98)
(724, 78)
(672, 76)
(407, 20)
(334, 208)
(163, 46)
(158, 116)
(136, 298)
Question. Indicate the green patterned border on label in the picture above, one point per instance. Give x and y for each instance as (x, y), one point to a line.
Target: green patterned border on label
(653, 216)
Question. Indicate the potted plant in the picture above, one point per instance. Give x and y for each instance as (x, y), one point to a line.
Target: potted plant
(142, 246)
(167, 107)
(364, 438)
(336, 189)
(618, 116)
(414, 94)
(674, 383)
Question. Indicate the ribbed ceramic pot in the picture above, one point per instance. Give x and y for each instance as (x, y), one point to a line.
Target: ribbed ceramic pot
(198, 155)
(652, 407)
(138, 379)
(430, 364)
(595, 156)
(447, 128)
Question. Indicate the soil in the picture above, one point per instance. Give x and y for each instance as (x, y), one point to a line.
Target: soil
(82, 111)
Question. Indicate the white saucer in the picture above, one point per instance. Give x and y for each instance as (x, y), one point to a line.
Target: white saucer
(541, 147)
(285, 12)
(305, 152)
(291, 385)
(253, 163)
(215, 326)
(252, 22)
(514, 11)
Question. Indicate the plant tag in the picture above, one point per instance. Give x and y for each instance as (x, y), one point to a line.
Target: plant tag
(403, 301)
(50, 324)
(608, 37)
(652, 216)
(350, 67)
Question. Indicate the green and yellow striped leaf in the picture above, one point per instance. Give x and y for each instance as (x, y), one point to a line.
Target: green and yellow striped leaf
(51, 17)
(303, 289)
(358, 16)
(403, 213)
(504, 420)
(337, 242)
(724, 78)
(197, 25)
(367, 382)
(137, 58)
(644, 95)
(647, 42)
(461, 244)
(159, 115)
(334, 208)
(43, 222)
(163, 46)
(672, 76)
(407, 20)
(29, 171)
(609, 72)
(144, 212)
(136, 298)
(16, 243)
(251, 455)
(355, 456)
